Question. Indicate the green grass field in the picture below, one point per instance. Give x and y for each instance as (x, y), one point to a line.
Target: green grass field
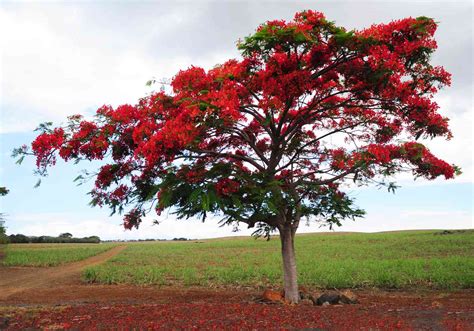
(46, 255)
(389, 260)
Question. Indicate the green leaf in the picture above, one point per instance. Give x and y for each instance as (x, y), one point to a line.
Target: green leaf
(20, 160)
(80, 177)
(212, 197)
(44, 127)
(205, 202)
(38, 183)
(152, 191)
(236, 202)
(165, 198)
(267, 120)
(194, 196)
(272, 206)
(299, 37)
(457, 170)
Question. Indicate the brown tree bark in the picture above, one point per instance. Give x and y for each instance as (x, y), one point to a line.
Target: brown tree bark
(290, 276)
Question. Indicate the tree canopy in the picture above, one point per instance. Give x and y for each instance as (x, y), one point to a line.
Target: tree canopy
(253, 135)
(268, 139)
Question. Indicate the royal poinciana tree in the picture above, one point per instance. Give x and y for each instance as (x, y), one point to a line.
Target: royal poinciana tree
(268, 140)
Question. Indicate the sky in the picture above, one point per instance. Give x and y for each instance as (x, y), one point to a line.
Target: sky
(63, 58)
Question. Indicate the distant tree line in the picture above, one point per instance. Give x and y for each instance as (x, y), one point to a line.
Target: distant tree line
(64, 238)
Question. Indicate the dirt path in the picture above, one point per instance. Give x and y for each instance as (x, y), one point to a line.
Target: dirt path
(19, 279)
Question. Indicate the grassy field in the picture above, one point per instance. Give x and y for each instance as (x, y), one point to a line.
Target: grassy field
(388, 260)
(42, 255)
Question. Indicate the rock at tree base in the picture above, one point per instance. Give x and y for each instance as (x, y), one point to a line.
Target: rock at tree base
(336, 298)
(350, 295)
(324, 299)
(273, 296)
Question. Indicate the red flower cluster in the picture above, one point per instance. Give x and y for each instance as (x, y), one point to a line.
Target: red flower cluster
(132, 219)
(226, 187)
(427, 164)
(45, 144)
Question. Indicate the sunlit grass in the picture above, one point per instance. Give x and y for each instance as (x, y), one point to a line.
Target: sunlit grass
(398, 260)
(42, 255)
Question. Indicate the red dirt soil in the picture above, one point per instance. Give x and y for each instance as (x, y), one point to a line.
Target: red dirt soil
(125, 307)
(54, 298)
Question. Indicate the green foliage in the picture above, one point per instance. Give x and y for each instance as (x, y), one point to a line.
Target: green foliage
(457, 170)
(257, 200)
(3, 191)
(268, 37)
(418, 259)
(45, 127)
(342, 37)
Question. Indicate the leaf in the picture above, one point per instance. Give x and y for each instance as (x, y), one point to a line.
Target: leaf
(267, 120)
(44, 127)
(20, 160)
(38, 183)
(80, 177)
(272, 206)
(205, 202)
(236, 202)
(153, 190)
(194, 196)
(150, 82)
(300, 37)
(165, 198)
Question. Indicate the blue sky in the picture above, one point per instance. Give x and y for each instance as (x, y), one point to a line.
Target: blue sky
(103, 53)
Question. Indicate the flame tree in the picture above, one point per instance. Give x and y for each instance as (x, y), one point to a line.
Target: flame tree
(268, 139)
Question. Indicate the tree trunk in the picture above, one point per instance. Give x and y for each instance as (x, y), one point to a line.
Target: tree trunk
(287, 235)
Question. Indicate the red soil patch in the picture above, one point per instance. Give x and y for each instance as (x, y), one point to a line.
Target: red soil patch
(197, 308)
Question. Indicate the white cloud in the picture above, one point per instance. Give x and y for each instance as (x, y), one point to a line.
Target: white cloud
(52, 70)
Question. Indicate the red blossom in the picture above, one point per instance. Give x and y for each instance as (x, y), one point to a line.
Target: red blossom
(132, 219)
(45, 144)
(226, 187)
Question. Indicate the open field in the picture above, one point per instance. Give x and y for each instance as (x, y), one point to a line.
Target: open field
(31, 279)
(56, 298)
(42, 255)
(388, 260)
